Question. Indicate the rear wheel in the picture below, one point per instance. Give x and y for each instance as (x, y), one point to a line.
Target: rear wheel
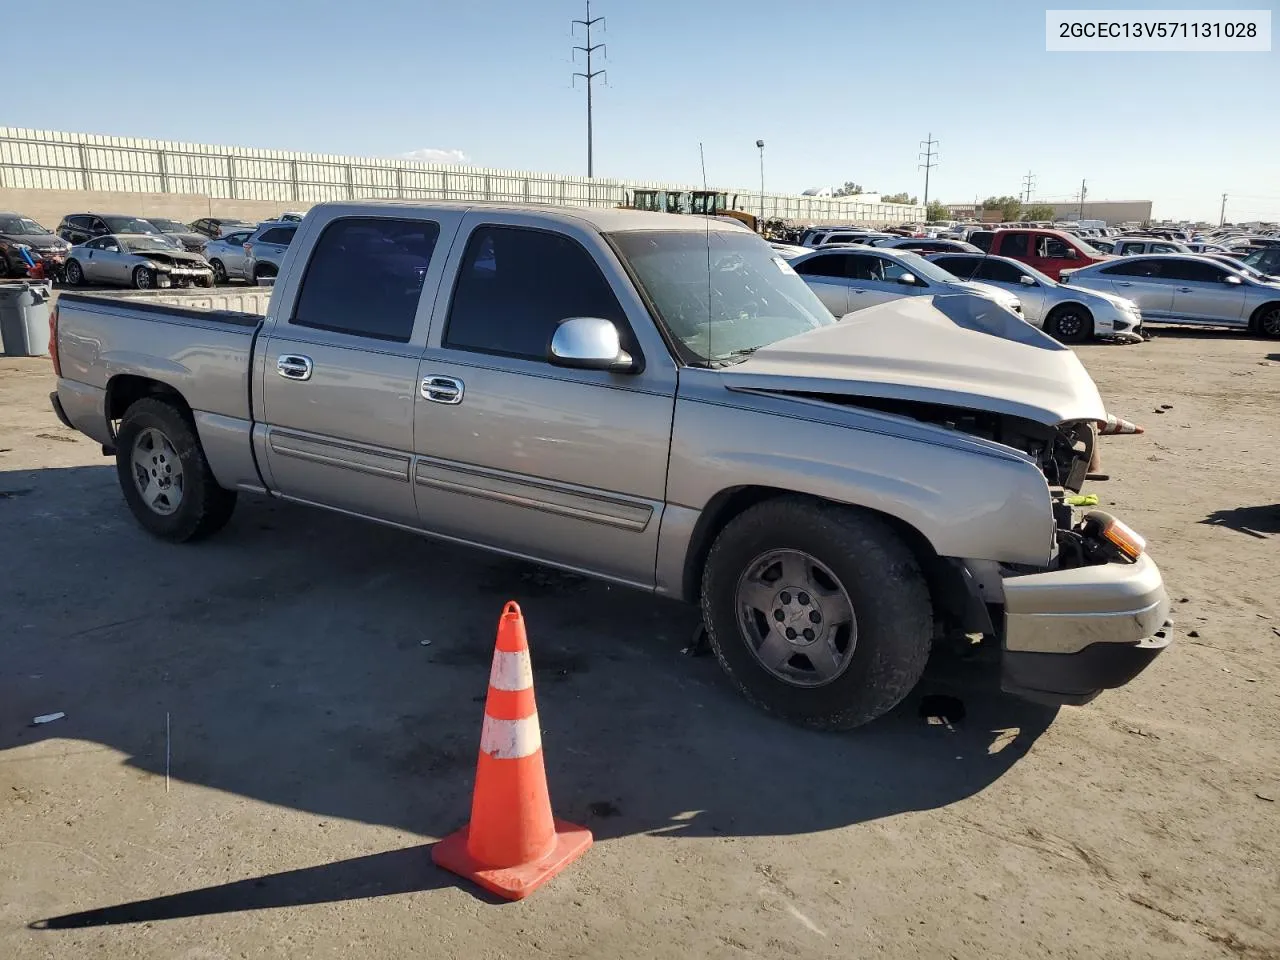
(1266, 320)
(74, 273)
(818, 613)
(144, 278)
(219, 272)
(1070, 323)
(164, 475)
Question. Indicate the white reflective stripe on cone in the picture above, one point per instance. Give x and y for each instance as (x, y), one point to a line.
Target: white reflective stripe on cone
(510, 739)
(511, 671)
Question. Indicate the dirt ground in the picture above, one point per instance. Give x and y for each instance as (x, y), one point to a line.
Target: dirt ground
(321, 680)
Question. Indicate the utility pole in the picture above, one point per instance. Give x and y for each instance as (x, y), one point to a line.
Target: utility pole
(1083, 191)
(1222, 216)
(1027, 183)
(589, 75)
(929, 155)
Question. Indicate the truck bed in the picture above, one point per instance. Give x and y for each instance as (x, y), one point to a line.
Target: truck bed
(197, 343)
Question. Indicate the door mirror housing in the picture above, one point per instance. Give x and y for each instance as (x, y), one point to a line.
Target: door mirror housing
(1073, 253)
(908, 279)
(589, 343)
(1233, 279)
(1027, 281)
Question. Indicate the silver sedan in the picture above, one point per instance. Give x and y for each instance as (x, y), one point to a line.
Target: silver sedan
(227, 257)
(1185, 288)
(1068, 314)
(854, 277)
(144, 261)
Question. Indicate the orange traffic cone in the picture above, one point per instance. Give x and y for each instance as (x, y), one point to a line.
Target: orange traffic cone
(1114, 425)
(512, 845)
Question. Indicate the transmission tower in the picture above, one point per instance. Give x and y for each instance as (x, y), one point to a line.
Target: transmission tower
(589, 75)
(1028, 182)
(930, 157)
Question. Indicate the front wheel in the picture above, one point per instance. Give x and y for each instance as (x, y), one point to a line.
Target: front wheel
(1267, 320)
(219, 272)
(818, 613)
(144, 278)
(164, 475)
(1070, 324)
(75, 273)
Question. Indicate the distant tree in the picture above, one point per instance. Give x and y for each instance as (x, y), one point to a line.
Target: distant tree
(936, 211)
(897, 198)
(1010, 207)
(1039, 211)
(850, 189)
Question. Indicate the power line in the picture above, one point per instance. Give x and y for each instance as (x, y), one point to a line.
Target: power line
(1027, 183)
(929, 156)
(589, 75)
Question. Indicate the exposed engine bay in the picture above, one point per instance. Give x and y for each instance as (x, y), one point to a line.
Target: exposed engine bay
(1062, 452)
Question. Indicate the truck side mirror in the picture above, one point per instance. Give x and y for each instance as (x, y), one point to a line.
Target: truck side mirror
(589, 343)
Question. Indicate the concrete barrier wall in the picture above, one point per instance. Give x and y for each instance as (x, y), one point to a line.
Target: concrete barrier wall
(130, 175)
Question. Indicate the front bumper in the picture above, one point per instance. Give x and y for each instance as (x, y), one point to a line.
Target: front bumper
(1070, 634)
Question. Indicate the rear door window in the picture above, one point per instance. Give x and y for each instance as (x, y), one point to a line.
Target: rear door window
(827, 265)
(365, 277)
(1192, 271)
(279, 235)
(1015, 245)
(515, 285)
(1134, 267)
(999, 272)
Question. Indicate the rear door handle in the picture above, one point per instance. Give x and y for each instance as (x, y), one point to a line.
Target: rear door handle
(446, 390)
(1184, 289)
(293, 366)
(1123, 283)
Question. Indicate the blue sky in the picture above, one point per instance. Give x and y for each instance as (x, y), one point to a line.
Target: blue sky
(838, 91)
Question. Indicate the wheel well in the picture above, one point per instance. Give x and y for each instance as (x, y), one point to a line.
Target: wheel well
(265, 270)
(1257, 314)
(1070, 303)
(125, 390)
(946, 584)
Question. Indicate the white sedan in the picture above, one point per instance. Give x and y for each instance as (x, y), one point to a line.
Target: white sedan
(1068, 314)
(853, 278)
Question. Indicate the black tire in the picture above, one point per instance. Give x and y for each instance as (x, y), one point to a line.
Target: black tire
(1070, 323)
(205, 282)
(1266, 321)
(204, 507)
(219, 271)
(892, 611)
(144, 278)
(74, 273)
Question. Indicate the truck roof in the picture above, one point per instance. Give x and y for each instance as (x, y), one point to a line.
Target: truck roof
(604, 219)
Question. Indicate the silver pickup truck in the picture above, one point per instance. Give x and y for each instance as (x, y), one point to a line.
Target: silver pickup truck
(659, 401)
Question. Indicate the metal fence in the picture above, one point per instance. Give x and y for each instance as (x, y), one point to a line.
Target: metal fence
(53, 160)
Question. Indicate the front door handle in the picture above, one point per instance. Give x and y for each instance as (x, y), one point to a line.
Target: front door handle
(1123, 283)
(1184, 289)
(293, 366)
(446, 390)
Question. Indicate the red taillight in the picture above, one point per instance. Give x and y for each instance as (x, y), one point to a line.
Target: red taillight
(53, 341)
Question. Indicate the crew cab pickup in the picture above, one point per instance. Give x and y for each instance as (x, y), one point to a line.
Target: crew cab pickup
(1049, 251)
(659, 401)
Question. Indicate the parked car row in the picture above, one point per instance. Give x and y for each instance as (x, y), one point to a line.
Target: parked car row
(145, 252)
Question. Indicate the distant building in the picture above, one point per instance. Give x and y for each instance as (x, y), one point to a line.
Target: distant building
(1114, 212)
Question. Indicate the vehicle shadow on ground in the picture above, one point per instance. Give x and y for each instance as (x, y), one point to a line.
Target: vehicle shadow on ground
(1261, 521)
(316, 662)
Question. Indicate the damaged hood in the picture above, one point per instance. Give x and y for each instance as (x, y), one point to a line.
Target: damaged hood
(959, 351)
(173, 258)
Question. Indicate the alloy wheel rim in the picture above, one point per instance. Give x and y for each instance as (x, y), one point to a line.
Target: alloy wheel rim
(796, 617)
(157, 472)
